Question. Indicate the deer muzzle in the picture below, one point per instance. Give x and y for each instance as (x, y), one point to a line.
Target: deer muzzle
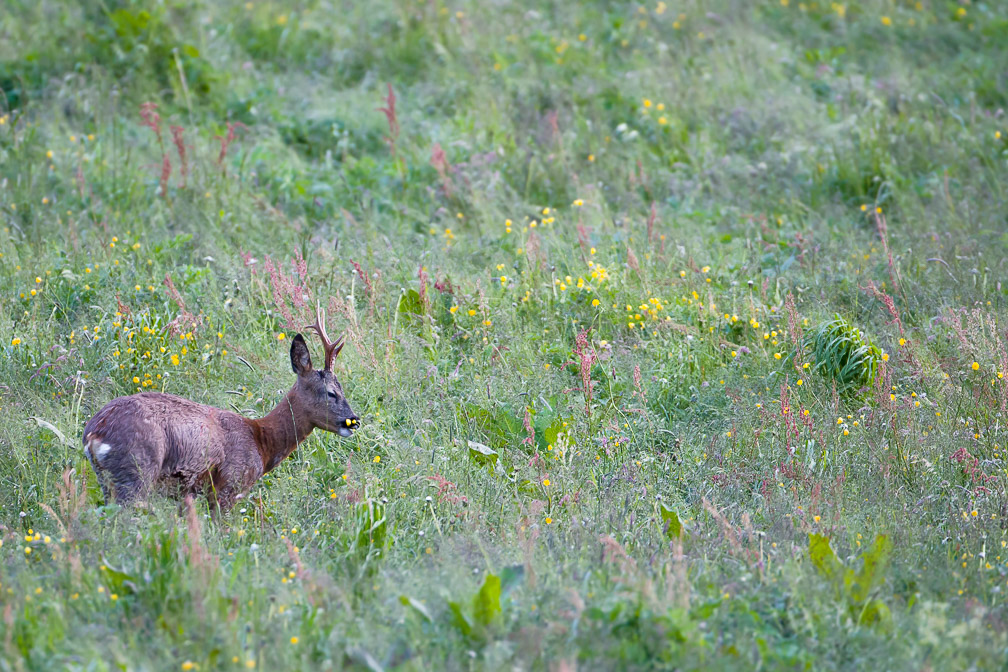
(349, 425)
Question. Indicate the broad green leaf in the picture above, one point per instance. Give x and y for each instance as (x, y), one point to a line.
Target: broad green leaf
(52, 428)
(118, 580)
(411, 303)
(704, 610)
(459, 619)
(875, 560)
(500, 425)
(680, 623)
(855, 589)
(364, 658)
(671, 522)
(547, 431)
(486, 603)
(876, 613)
(483, 454)
(417, 606)
(823, 557)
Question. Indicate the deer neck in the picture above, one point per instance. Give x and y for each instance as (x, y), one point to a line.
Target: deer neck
(279, 433)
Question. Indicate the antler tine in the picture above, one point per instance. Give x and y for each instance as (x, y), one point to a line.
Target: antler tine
(339, 346)
(330, 349)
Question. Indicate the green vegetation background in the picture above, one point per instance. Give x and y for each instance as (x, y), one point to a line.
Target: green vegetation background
(677, 331)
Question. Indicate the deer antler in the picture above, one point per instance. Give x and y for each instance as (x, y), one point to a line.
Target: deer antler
(331, 349)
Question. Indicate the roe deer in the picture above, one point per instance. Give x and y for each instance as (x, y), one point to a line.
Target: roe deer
(145, 438)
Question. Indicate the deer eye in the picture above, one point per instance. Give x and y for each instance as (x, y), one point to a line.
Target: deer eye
(333, 395)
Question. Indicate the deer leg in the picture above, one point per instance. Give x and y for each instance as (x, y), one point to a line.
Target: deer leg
(100, 475)
(222, 500)
(106, 491)
(222, 493)
(132, 481)
(127, 487)
(103, 482)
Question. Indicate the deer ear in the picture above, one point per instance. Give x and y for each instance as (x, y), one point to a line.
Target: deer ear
(300, 357)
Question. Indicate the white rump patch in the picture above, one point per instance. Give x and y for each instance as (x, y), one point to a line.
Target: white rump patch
(98, 448)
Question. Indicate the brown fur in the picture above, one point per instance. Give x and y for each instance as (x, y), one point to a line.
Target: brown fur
(141, 440)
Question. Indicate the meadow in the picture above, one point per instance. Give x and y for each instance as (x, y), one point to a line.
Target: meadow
(677, 331)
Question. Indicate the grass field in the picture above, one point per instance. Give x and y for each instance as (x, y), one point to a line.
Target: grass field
(677, 331)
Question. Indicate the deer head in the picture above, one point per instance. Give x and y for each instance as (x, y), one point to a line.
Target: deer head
(319, 390)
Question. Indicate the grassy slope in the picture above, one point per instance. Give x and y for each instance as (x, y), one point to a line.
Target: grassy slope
(756, 131)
